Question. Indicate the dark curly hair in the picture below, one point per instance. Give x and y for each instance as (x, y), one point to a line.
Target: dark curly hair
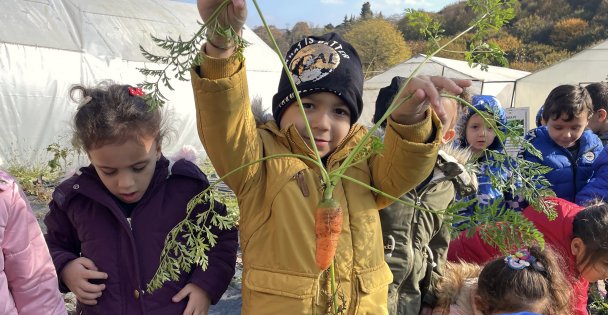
(108, 113)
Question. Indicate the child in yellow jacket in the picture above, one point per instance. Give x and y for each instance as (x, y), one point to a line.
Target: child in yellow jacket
(277, 197)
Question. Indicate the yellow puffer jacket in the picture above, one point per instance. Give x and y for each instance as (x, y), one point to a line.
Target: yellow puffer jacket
(278, 197)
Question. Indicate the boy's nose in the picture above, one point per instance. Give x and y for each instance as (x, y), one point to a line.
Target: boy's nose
(320, 121)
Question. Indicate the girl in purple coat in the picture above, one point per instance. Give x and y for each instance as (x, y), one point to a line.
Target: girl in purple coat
(107, 224)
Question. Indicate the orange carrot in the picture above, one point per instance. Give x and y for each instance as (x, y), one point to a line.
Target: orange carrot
(328, 226)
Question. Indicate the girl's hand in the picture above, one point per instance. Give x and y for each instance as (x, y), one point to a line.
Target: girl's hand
(198, 299)
(76, 275)
(425, 91)
(234, 15)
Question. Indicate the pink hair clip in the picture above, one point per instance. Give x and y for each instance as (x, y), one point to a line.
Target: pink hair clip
(136, 91)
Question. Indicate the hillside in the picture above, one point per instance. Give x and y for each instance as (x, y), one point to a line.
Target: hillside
(543, 31)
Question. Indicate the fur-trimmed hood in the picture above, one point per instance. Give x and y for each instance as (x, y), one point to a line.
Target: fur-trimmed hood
(261, 116)
(453, 163)
(455, 292)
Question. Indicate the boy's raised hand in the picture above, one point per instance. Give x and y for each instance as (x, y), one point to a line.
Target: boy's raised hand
(234, 15)
(425, 91)
(198, 299)
(76, 275)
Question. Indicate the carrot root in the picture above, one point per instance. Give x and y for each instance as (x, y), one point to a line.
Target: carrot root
(328, 226)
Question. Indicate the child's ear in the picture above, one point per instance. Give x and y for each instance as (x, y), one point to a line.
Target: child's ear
(449, 135)
(577, 247)
(158, 152)
(601, 114)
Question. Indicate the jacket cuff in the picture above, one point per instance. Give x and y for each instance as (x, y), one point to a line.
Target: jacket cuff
(422, 132)
(217, 68)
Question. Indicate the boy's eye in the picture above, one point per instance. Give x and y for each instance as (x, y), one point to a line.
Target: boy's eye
(342, 112)
(307, 105)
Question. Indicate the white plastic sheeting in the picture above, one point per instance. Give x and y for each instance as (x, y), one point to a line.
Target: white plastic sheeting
(46, 46)
(588, 66)
(497, 81)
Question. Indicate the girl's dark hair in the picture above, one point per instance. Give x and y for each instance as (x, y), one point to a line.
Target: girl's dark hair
(590, 226)
(108, 113)
(503, 288)
(572, 100)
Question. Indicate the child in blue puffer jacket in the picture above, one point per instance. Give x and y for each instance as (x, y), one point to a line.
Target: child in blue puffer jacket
(566, 146)
(475, 134)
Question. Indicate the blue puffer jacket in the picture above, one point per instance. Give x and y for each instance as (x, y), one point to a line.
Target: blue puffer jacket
(570, 173)
(597, 188)
(486, 193)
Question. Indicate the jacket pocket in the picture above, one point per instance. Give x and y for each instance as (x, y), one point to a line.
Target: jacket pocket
(372, 293)
(276, 292)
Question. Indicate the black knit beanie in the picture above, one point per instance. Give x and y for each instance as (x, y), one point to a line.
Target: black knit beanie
(323, 63)
(385, 98)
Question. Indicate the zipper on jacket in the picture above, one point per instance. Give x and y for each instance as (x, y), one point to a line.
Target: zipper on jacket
(410, 244)
(299, 177)
(574, 163)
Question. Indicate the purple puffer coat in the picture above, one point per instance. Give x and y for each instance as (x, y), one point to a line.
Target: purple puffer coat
(84, 219)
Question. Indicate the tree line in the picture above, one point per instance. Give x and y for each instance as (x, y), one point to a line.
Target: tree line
(542, 33)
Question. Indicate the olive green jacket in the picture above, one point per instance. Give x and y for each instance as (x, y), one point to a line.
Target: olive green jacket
(277, 199)
(416, 241)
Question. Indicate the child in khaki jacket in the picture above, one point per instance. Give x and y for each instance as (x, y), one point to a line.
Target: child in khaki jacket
(278, 197)
(416, 241)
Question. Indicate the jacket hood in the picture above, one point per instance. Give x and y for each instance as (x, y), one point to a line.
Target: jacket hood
(457, 287)
(259, 114)
(483, 103)
(539, 116)
(454, 164)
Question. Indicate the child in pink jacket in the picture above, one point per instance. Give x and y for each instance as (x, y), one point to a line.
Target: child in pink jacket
(28, 282)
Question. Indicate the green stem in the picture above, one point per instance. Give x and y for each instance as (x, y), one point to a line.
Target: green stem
(487, 121)
(296, 93)
(395, 104)
(196, 198)
(393, 198)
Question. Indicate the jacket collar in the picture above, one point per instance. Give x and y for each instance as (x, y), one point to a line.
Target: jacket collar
(89, 184)
(291, 138)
